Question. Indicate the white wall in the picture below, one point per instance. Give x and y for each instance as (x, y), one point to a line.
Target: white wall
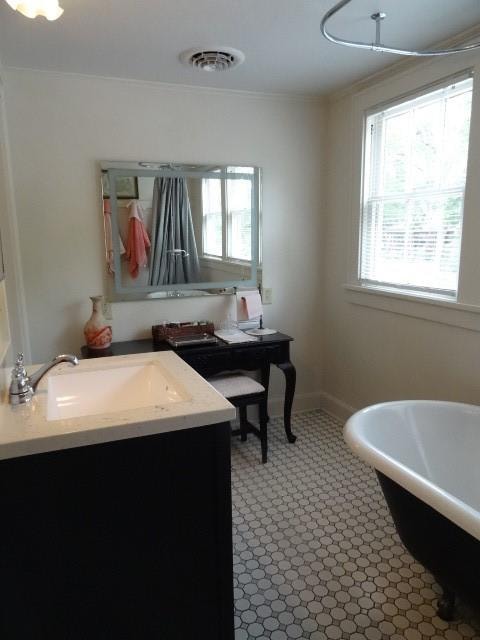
(60, 126)
(372, 355)
(13, 330)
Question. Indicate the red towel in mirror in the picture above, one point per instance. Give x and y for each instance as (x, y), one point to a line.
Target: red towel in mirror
(138, 242)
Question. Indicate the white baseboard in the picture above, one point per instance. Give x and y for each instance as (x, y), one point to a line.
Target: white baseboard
(309, 401)
(336, 407)
(301, 402)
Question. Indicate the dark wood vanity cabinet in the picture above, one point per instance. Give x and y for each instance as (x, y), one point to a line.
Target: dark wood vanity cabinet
(126, 540)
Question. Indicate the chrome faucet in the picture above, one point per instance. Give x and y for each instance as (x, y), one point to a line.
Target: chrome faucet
(22, 386)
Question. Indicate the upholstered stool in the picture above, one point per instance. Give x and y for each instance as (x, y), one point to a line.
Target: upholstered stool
(242, 391)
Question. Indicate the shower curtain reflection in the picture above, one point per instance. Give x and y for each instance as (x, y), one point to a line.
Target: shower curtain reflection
(174, 255)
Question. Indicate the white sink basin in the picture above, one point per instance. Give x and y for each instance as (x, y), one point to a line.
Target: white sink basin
(100, 391)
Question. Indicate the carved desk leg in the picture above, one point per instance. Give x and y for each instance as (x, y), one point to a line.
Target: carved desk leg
(290, 379)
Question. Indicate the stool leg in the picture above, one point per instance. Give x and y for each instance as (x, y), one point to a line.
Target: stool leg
(263, 428)
(243, 423)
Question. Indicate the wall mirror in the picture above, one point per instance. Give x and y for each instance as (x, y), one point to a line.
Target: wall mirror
(176, 230)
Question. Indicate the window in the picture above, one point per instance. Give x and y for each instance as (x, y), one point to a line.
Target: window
(212, 217)
(415, 163)
(227, 218)
(239, 218)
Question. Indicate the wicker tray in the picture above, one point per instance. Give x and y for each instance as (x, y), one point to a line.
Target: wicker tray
(160, 332)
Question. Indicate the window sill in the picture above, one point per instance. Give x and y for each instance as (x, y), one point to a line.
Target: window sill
(441, 310)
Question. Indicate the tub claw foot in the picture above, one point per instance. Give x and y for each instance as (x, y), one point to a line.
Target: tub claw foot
(446, 606)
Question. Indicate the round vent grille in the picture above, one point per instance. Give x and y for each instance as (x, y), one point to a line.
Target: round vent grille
(212, 58)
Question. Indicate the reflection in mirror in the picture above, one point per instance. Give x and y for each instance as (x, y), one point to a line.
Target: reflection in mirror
(177, 228)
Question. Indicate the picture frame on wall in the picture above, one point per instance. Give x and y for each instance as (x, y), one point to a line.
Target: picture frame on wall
(127, 187)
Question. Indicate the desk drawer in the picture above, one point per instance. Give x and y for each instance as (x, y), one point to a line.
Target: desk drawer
(208, 363)
(255, 357)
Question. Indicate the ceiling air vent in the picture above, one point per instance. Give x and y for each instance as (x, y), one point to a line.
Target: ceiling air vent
(212, 58)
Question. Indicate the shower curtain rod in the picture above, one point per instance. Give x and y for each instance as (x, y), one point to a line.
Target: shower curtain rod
(377, 45)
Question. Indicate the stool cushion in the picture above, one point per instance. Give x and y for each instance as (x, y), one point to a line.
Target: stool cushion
(231, 386)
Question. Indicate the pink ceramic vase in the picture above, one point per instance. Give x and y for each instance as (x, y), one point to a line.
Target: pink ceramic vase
(98, 333)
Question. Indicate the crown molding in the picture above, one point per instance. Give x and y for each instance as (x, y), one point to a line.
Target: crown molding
(405, 65)
(170, 86)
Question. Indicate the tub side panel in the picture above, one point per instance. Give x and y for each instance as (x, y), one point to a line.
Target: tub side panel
(449, 552)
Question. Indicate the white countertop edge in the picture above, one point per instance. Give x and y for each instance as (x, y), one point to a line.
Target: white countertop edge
(102, 435)
(25, 431)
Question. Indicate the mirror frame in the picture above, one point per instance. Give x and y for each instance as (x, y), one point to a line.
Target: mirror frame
(174, 170)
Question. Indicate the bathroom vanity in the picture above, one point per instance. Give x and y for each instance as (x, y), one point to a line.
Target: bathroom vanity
(211, 359)
(118, 524)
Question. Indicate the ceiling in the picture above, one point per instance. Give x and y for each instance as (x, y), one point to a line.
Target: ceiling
(284, 49)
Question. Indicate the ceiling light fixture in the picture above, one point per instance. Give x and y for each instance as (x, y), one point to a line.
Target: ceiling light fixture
(377, 45)
(49, 9)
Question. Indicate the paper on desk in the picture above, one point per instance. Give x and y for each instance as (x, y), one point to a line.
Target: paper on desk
(233, 336)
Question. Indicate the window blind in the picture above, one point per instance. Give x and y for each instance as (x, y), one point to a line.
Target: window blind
(415, 167)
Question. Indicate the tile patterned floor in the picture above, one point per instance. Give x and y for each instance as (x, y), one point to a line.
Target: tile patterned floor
(315, 552)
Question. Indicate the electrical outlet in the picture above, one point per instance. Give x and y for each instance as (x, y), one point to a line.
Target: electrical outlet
(107, 310)
(267, 296)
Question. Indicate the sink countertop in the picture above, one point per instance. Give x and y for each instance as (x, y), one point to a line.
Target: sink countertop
(25, 430)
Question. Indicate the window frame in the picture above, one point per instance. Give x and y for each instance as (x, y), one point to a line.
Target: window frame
(371, 150)
(464, 310)
(204, 254)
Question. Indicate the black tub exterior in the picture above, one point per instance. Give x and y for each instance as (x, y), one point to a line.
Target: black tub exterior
(449, 552)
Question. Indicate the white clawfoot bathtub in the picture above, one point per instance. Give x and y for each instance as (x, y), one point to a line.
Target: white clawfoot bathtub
(427, 457)
(430, 448)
